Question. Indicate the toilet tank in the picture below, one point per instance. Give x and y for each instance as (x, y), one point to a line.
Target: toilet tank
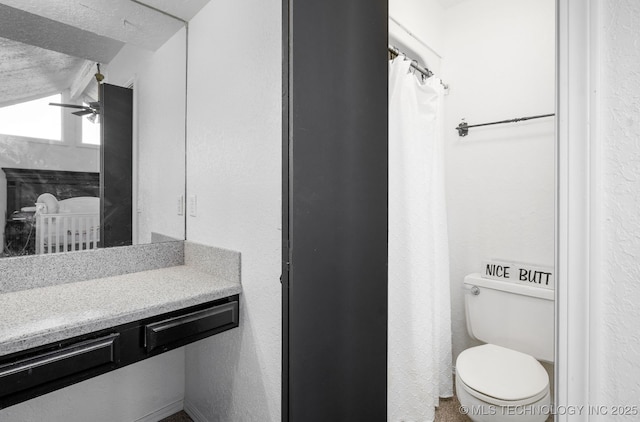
(511, 315)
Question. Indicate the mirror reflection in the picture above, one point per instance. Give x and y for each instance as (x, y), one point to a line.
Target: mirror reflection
(65, 183)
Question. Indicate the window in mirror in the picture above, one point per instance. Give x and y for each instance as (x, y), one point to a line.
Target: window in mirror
(90, 129)
(33, 119)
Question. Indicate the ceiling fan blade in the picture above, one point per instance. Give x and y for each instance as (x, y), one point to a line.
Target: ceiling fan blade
(82, 112)
(68, 105)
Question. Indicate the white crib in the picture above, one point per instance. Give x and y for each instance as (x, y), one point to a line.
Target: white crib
(67, 225)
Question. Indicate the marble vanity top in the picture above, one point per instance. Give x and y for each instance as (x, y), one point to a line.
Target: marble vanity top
(43, 315)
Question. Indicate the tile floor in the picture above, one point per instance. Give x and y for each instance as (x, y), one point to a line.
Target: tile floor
(178, 417)
(448, 411)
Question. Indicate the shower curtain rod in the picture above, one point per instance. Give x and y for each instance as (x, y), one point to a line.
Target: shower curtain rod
(414, 64)
(463, 127)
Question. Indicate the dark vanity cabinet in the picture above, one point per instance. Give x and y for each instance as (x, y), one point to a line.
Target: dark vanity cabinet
(31, 373)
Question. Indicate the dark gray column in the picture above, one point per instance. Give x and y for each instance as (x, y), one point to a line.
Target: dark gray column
(116, 166)
(335, 210)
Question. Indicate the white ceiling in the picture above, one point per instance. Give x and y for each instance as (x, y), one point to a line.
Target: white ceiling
(450, 3)
(45, 44)
(184, 9)
(25, 71)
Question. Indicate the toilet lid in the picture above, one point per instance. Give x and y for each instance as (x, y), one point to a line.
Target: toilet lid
(501, 373)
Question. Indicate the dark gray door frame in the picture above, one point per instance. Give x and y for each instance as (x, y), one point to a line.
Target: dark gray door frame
(116, 166)
(334, 283)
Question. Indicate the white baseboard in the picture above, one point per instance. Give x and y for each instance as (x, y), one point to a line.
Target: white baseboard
(194, 413)
(163, 412)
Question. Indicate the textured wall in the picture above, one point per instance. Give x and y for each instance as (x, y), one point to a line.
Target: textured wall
(234, 167)
(499, 61)
(620, 118)
(125, 395)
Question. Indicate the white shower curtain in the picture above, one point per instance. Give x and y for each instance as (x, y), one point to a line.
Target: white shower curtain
(419, 334)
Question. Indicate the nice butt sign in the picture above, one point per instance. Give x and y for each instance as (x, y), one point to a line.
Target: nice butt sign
(515, 272)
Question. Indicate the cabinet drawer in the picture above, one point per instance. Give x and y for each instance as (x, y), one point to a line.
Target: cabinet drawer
(40, 369)
(194, 324)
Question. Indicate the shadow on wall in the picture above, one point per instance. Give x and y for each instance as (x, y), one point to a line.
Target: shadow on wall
(213, 369)
(121, 395)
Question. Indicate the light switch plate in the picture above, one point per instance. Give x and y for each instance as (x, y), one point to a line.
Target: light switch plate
(193, 205)
(180, 205)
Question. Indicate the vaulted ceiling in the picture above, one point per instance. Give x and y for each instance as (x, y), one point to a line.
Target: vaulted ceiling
(47, 45)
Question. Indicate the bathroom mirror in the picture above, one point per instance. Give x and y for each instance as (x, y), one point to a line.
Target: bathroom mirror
(49, 54)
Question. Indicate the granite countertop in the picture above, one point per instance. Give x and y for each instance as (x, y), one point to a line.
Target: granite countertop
(43, 315)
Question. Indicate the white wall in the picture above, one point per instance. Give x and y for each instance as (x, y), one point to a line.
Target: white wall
(425, 20)
(234, 168)
(499, 62)
(620, 126)
(127, 394)
(159, 96)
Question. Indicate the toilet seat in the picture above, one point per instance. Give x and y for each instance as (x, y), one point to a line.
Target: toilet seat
(501, 376)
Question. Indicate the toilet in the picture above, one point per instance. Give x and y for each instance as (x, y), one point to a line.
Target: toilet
(503, 379)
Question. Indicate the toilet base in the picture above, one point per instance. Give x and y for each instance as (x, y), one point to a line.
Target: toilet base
(480, 411)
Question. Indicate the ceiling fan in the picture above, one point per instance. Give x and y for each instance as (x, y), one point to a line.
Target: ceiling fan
(93, 107)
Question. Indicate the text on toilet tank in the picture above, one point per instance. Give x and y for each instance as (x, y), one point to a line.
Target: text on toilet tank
(518, 273)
